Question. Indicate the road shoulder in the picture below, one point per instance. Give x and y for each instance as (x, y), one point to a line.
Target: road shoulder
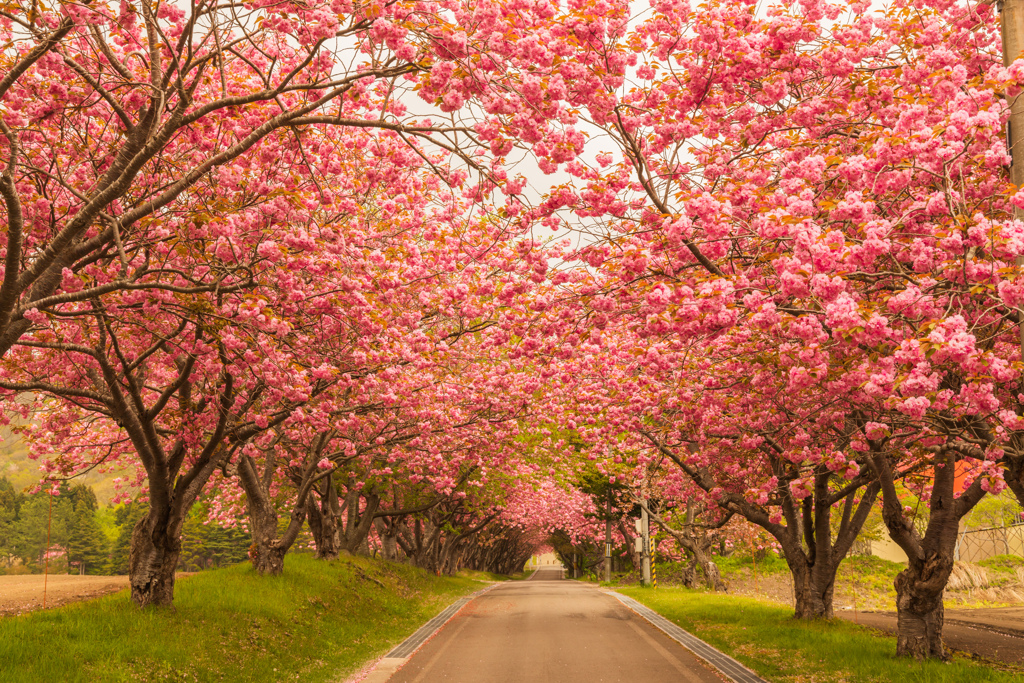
(717, 659)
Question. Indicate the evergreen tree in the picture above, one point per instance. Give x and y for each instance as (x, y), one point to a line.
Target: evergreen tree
(204, 545)
(125, 517)
(10, 502)
(81, 493)
(30, 529)
(86, 543)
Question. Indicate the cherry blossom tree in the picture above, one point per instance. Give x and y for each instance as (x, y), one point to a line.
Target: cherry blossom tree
(119, 118)
(814, 197)
(215, 349)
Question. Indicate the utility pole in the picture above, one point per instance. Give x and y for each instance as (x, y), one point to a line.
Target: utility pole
(608, 538)
(1011, 17)
(645, 532)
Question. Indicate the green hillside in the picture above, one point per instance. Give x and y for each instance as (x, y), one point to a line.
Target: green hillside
(23, 472)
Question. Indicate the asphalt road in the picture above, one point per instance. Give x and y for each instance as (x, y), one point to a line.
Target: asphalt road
(547, 629)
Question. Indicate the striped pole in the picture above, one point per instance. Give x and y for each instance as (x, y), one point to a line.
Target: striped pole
(654, 567)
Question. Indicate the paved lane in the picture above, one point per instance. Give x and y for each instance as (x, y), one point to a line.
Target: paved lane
(546, 629)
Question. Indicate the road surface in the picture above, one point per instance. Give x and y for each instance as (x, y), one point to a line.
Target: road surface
(547, 629)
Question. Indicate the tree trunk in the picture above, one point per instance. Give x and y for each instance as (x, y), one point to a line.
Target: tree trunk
(631, 551)
(153, 557)
(323, 517)
(268, 549)
(920, 586)
(356, 530)
(919, 609)
(1014, 475)
(712, 576)
(266, 553)
(689, 577)
(694, 539)
(268, 559)
(813, 589)
(389, 547)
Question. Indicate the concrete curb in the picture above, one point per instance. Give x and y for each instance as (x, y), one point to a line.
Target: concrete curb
(719, 660)
(393, 660)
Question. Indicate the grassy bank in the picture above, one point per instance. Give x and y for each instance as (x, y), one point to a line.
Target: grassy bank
(863, 582)
(316, 622)
(767, 639)
(478, 575)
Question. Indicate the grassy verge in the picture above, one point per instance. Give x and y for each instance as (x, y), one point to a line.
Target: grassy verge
(477, 575)
(767, 639)
(316, 622)
(737, 564)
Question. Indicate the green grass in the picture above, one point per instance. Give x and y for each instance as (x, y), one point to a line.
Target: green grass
(870, 577)
(736, 563)
(1003, 564)
(477, 575)
(316, 622)
(767, 639)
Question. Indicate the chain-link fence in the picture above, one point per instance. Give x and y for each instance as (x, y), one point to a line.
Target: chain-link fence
(975, 545)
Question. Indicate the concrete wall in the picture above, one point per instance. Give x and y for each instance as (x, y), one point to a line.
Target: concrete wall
(888, 550)
(545, 560)
(974, 545)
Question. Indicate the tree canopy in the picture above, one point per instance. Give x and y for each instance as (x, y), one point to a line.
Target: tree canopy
(296, 265)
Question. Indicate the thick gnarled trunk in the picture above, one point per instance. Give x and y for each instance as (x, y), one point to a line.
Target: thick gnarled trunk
(268, 559)
(919, 587)
(358, 522)
(919, 609)
(268, 548)
(813, 589)
(709, 570)
(387, 532)
(322, 516)
(153, 558)
(267, 551)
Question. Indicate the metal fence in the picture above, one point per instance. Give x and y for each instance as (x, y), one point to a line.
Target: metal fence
(975, 545)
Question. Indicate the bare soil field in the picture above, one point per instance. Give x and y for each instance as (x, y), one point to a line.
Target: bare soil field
(993, 633)
(1008, 620)
(24, 593)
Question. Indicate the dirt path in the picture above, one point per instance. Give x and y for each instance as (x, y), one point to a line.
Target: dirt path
(1006, 620)
(24, 593)
(996, 634)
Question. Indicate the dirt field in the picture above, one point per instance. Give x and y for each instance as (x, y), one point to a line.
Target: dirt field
(993, 633)
(24, 593)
